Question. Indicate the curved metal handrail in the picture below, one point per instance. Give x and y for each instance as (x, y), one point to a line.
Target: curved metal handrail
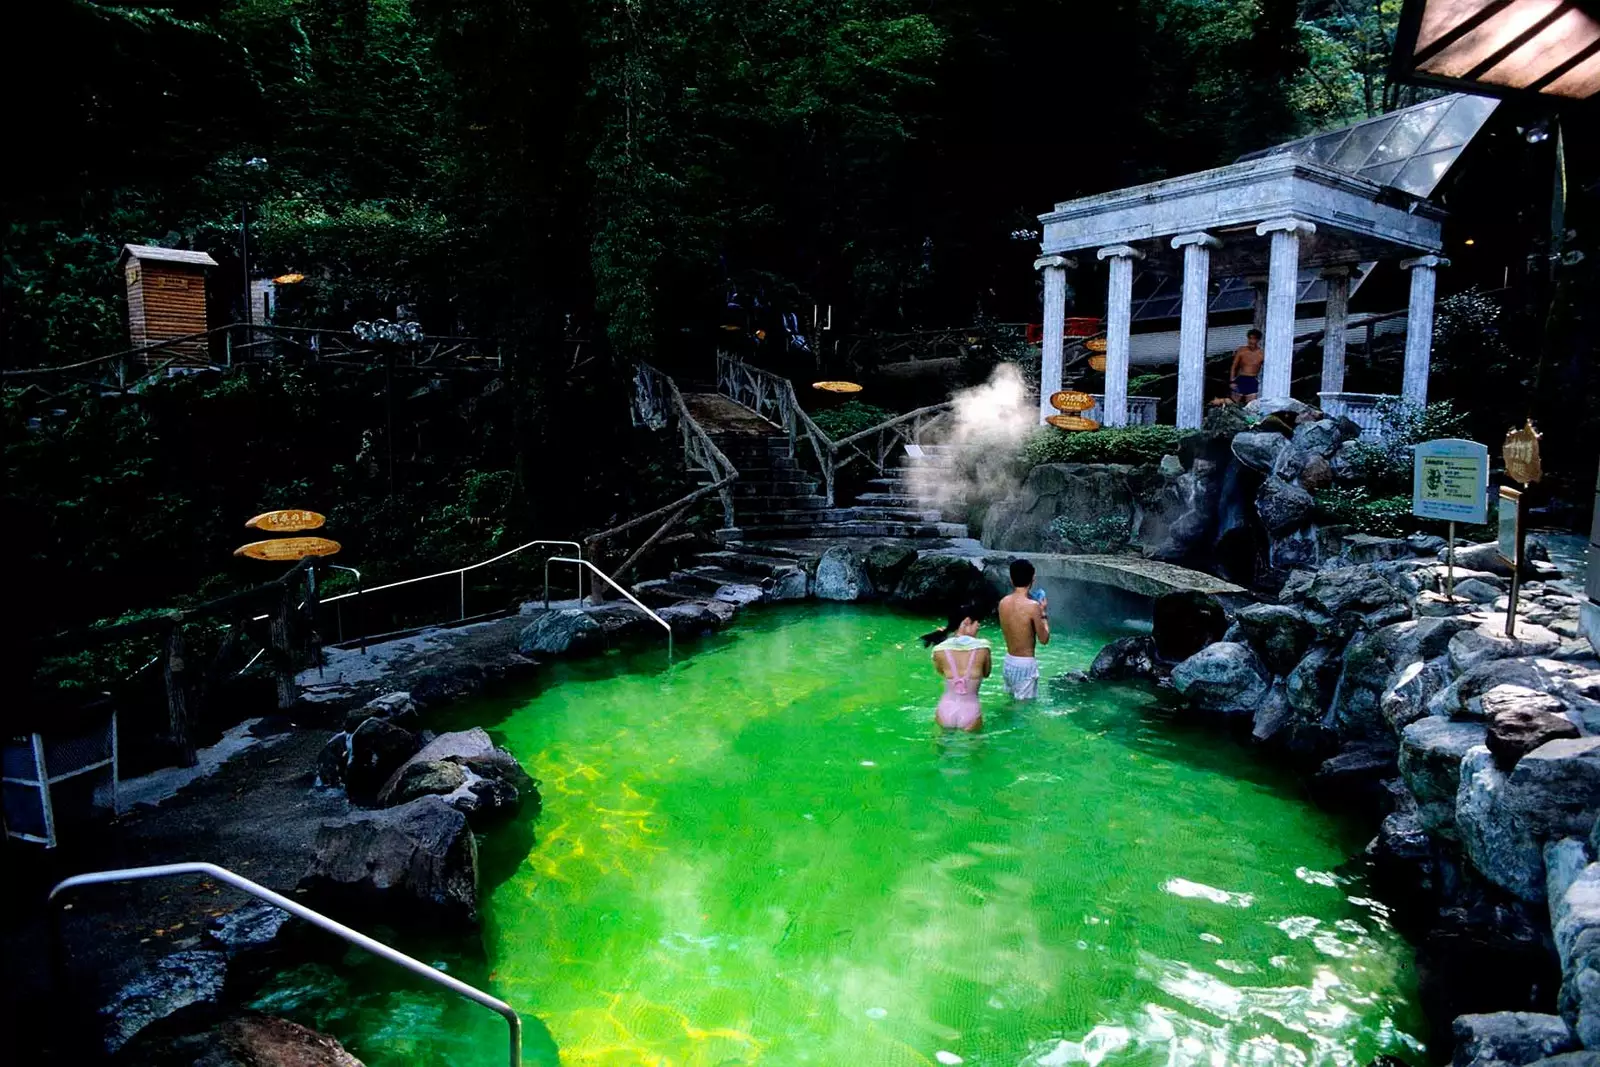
(315, 918)
(607, 579)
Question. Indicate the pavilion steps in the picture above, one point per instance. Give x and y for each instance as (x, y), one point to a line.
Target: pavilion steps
(859, 528)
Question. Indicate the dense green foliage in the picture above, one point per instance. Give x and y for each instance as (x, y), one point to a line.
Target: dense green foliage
(1132, 444)
(848, 418)
(1383, 515)
(1385, 466)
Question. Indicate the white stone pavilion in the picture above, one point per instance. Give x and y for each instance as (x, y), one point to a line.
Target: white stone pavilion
(1352, 196)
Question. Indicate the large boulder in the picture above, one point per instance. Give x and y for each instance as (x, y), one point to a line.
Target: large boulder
(1310, 686)
(418, 861)
(1125, 658)
(1075, 491)
(1185, 621)
(1367, 548)
(1322, 437)
(1493, 838)
(473, 776)
(1282, 505)
(397, 708)
(1575, 921)
(1280, 634)
(1431, 751)
(377, 748)
(886, 563)
(941, 582)
(1411, 868)
(841, 575)
(1555, 789)
(1367, 592)
(1509, 1039)
(247, 1040)
(174, 982)
(1405, 698)
(562, 632)
(1488, 641)
(1356, 776)
(1259, 451)
(1371, 659)
(1224, 677)
(1521, 720)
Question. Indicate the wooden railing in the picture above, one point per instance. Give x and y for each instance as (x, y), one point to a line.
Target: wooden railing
(773, 397)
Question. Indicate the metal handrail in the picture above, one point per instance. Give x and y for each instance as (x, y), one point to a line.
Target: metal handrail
(317, 919)
(607, 579)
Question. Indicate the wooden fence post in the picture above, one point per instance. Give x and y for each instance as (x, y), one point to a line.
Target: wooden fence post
(282, 647)
(177, 698)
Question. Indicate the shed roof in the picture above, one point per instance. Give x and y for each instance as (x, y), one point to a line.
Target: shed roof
(166, 255)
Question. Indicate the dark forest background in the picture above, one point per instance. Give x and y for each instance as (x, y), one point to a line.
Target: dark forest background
(535, 172)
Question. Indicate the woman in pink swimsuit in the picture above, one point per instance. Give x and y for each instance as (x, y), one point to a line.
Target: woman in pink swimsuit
(963, 660)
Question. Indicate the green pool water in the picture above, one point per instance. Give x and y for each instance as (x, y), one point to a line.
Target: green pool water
(767, 853)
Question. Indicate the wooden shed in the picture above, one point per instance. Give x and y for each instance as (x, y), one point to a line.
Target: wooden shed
(167, 298)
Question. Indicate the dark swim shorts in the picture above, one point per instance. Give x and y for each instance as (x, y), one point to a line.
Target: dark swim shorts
(1246, 384)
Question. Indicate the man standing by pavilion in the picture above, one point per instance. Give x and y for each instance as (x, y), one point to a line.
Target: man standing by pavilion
(1245, 375)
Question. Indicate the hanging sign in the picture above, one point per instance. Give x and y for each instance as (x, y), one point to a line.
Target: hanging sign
(286, 520)
(1509, 541)
(1072, 422)
(1097, 363)
(1450, 481)
(1521, 455)
(1070, 400)
(288, 549)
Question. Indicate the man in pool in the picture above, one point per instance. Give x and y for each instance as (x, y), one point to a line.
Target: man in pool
(1025, 620)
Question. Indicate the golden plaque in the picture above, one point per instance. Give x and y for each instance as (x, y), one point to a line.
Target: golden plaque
(837, 387)
(1072, 422)
(1521, 455)
(288, 549)
(286, 520)
(1095, 344)
(1097, 363)
(1070, 400)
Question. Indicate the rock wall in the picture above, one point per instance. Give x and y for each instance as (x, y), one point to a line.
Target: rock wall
(1478, 755)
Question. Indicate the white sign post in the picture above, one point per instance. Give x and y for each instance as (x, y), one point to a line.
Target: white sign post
(1450, 481)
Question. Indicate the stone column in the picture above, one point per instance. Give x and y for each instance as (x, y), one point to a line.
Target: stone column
(1258, 303)
(1419, 326)
(1192, 326)
(1333, 330)
(1055, 321)
(1119, 320)
(1283, 291)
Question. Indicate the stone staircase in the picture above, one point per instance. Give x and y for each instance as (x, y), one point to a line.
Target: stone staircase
(776, 499)
(785, 523)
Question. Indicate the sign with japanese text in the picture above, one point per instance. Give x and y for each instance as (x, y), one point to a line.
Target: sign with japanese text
(286, 520)
(1450, 481)
(288, 549)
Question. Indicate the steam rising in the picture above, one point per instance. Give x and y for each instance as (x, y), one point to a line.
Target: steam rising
(987, 424)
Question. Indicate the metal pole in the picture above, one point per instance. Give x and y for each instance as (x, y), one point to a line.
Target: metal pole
(463, 594)
(244, 257)
(317, 919)
(1450, 563)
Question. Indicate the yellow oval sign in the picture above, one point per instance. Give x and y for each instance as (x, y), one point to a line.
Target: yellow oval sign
(1095, 344)
(286, 520)
(1521, 455)
(1097, 362)
(837, 387)
(1071, 400)
(288, 549)
(1072, 422)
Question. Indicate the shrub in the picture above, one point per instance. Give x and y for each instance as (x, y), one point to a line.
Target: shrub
(1385, 465)
(1355, 506)
(848, 418)
(1132, 444)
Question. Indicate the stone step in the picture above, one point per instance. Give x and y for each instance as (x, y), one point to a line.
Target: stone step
(798, 488)
(709, 579)
(777, 552)
(843, 529)
(889, 500)
(786, 502)
(664, 592)
(850, 514)
(752, 565)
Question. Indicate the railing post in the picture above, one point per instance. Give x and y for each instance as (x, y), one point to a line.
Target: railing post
(177, 697)
(282, 649)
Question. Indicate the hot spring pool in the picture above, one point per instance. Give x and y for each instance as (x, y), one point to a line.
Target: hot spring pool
(768, 854)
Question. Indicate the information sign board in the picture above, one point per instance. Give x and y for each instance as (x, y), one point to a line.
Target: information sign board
(1450, 481)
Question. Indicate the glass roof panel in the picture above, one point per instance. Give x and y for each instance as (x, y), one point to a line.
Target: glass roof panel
(1424, 172)
(1407, 133)
(1383, 149)
(1464, 120)
(1363, 139)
